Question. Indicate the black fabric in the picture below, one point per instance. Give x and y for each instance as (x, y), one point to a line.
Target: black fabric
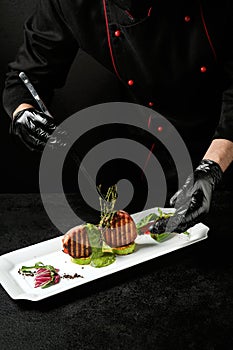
(161, 52)
(135, 8)
(47, 54)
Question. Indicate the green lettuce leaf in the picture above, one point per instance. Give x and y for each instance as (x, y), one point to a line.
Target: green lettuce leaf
(99, 257)
(104, 259)
(144, 221)
(160, 237)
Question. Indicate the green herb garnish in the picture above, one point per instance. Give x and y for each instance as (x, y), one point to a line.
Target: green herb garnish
(144, 221)
(45, 275)
(99, 257)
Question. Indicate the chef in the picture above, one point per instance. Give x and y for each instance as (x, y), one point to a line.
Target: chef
(175, 57)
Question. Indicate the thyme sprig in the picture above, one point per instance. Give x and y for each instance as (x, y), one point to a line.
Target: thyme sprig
(107, 205)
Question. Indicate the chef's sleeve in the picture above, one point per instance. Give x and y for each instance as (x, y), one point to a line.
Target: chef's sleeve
(46, 55)
(224, 129)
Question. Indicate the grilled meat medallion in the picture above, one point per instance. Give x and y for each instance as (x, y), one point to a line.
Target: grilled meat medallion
(119, 229)
(76, 242)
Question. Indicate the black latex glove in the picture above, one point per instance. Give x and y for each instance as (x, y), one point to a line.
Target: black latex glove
(33, 127)
(193, 200)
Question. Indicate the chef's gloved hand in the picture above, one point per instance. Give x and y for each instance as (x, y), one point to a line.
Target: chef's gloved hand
(193, 200)
(34, 128)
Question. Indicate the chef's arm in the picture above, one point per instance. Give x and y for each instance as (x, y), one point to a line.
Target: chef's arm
(221, 152)
(193, 199)
(46, 55)
(21, 107)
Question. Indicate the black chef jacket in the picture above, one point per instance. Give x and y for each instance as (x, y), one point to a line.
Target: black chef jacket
(173, 56)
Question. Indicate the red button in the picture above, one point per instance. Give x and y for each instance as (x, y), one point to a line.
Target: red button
(160, 128)
(203, 69)
(117, 33)
(151, 104)
(130, 82)
(187, 18)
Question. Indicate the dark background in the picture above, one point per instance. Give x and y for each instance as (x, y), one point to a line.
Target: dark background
(182, 300)
(88, 83)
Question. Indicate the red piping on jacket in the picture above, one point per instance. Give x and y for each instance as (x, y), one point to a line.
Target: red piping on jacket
(109, 40)
(207, 33)
(149, 12)
(129, 15)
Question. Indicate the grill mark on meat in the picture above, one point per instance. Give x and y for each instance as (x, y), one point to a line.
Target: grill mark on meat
(69, 245)
(85, 244)
(116, 234)
(132, 231)
(122, 230)
(112, 231)
(118, 231)
(128, 233)
(121, 227)
(109, 235)
(76, 243)
(125, 231)
(79, 241)
(75, 249)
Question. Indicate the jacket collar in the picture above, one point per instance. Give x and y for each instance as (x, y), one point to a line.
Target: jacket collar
(134, 6)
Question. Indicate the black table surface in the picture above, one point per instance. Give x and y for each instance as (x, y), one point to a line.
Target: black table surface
(182, 300)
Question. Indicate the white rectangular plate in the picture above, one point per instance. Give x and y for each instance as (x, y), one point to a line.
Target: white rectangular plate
(50, 252)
